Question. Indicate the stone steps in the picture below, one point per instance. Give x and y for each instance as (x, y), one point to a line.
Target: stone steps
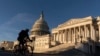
(56, 49)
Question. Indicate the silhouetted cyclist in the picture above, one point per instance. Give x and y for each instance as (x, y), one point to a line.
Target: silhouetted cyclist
(22, 47)
(23, 37)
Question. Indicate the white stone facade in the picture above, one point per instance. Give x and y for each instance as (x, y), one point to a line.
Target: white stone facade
(79, 30)
(42, 42)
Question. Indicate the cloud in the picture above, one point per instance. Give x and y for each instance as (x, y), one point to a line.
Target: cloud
(9, 29)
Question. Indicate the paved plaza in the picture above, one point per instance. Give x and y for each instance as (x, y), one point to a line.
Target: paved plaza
(67, 53)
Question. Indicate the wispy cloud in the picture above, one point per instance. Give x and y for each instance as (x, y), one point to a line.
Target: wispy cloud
(9, 29)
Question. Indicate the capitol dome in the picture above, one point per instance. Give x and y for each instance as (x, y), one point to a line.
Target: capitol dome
(40, 27)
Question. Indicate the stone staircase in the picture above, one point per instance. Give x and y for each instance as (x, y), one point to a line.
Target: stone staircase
(57, 49)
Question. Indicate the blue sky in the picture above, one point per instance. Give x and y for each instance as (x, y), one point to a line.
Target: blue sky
(16, 15)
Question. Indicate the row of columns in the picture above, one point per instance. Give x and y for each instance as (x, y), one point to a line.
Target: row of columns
(76, 34)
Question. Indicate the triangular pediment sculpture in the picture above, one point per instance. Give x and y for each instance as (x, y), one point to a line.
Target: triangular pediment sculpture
(69, 22)
(75, 21)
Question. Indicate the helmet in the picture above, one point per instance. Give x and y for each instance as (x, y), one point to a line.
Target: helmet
(27, 30)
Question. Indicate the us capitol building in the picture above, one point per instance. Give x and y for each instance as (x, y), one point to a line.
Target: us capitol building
(84, 33)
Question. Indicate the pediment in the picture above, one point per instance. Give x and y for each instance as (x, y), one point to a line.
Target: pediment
(69, 22)
(75, 20)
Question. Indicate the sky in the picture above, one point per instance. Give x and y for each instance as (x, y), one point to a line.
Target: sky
(16, 15)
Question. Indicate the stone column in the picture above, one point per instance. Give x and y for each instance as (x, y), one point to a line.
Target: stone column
(99, 32)
(57, 39)
(60, 36)
(70, 37)
(82, 33)
(66, 35)
(85, 32)
(74, 36)
(79, 34)
(53, 36)
(93, 33)
(88, 31)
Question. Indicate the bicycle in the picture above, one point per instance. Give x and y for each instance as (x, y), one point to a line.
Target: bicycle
(20, 50)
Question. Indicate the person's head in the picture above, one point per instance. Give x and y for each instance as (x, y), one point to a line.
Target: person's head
(27, 30)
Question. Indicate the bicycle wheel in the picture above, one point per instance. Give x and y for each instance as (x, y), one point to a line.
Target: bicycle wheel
(29, 50)
(16, 50)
